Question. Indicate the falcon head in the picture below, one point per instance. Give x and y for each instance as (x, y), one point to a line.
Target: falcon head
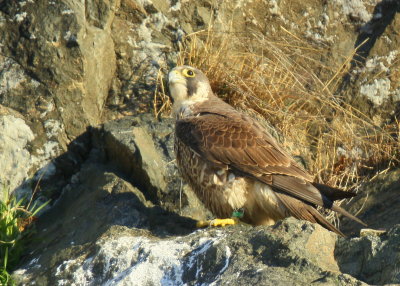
(188, 85)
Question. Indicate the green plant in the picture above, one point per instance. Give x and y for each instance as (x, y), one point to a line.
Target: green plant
(5, 277)
(15, 217)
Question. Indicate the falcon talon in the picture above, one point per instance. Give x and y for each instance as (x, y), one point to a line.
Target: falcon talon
(222, 222)
(216, 222)
(231, 161)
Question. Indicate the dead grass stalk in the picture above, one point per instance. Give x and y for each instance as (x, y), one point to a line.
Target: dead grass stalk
(280, 80)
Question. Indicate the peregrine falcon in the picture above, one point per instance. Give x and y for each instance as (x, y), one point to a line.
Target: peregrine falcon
(235, 166)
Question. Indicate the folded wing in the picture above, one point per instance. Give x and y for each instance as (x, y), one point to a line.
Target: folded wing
(230, 139)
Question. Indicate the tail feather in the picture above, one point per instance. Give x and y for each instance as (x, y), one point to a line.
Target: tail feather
(323, 221)
(333, 193)
(306, 211)
(338, 194)
(342, 211)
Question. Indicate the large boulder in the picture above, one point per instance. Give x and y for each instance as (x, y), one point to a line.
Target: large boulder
(141, 148)
(57, 65)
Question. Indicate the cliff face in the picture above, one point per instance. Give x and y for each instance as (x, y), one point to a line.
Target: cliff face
(121, 214)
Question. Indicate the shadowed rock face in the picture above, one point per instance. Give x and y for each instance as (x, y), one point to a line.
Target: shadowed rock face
(120, 213)
(376, 204)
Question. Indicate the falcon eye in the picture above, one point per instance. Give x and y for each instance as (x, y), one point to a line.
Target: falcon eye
(188, 73)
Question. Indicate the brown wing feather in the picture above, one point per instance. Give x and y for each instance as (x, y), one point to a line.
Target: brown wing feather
(333, 193)
(237, 143)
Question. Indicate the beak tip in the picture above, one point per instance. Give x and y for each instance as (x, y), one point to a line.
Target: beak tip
(174, 76)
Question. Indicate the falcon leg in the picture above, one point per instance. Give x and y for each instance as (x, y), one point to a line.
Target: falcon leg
(235, 219)
(217, 222)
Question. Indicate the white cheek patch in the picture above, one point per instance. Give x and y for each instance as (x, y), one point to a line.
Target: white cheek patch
(202, 93)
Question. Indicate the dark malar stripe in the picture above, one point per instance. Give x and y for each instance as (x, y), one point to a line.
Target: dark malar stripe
(191, 86)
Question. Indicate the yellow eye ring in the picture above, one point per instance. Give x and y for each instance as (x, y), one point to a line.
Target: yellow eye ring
(188, 73)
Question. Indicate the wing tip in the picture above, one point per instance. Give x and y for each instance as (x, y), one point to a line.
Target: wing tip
(347, 214)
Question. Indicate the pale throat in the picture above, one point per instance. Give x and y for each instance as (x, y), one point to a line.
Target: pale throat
(183, 104)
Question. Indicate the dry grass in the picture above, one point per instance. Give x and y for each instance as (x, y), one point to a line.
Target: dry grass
(281, 81)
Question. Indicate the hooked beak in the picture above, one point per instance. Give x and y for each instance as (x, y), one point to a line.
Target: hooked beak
(175, 77)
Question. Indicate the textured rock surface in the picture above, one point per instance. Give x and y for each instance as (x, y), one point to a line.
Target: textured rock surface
(141, 148)
(57, 64)
(374, 259)
(103, 230)
(131, 148)
(121, 215)
(135, 242)
(236, 256)
(15, 136)
(377, 203)
(372, 85)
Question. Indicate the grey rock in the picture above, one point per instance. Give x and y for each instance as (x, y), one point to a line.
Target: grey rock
(135, 243)
(56, 66)
(141, 147)
(371, 84)
(54, 43)
(128, 145)
(15, 159)
(291, 253)
(376, 204)
(374, 259)
(95, 201)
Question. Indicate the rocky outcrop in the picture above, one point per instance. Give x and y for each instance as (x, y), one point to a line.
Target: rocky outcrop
(141, 148)
(103, 231)
(372, 84)
(106, 229)
(57, 62)
(120, 212)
